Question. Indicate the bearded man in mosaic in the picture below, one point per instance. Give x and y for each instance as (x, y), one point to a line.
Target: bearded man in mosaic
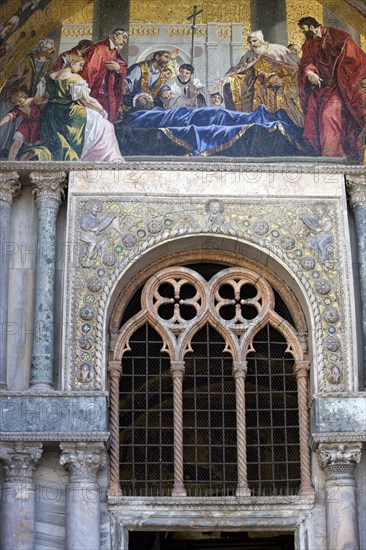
(265, 75)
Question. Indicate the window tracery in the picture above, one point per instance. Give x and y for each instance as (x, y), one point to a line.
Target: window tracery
(237, 305)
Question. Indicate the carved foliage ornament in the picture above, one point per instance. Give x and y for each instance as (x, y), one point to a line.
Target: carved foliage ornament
(48, 185)
(356, 191)
(9, 186)
(83, 460)
(339, 453)
(20, 461)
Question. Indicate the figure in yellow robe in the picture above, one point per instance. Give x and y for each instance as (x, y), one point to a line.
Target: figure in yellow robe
(266, 75)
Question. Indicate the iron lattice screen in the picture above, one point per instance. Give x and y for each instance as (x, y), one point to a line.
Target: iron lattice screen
(272, 422)
(209, 406)
(146, 417)
(209, 418)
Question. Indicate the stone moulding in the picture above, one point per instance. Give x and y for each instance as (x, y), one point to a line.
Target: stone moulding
(291, 165)
(250, 512)
(54, 436)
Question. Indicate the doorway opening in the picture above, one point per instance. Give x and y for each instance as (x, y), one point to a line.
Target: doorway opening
(215, 540)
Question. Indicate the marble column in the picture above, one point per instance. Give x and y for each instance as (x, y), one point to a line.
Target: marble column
(83, 460)
(18, 495)
(339, 460)
(239, 373)
(9, 187)
(177, 371)
(356, 187)
(49, 190)
(302, 369)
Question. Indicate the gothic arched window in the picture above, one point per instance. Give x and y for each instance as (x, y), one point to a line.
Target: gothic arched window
(208, 388)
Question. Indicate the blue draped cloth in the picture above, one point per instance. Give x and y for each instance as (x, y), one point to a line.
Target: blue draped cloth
(209, 130)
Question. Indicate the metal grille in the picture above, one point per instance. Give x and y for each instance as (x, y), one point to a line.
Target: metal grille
(209, 406)
(282, 309)
(146, 417)
(209, 418)
(273, 448)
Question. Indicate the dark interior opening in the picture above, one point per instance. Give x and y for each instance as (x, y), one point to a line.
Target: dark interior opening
(217, 540)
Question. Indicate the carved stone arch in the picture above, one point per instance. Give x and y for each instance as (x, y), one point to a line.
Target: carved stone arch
(238, 332)
(226, 258)
(211, 320)
(294, 343)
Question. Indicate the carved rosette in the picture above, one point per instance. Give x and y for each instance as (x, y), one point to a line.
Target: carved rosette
(339, 459)
(356, 191)
(48, 185)
(9, 186)
(83, 460)
(20, 461)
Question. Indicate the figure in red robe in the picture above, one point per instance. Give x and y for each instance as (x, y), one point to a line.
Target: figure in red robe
(105, 71)
(332, 99)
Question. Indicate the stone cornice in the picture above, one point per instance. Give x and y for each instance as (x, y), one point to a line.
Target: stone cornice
(290, 165)
(54, 436)
(317, 439)
(9, 186)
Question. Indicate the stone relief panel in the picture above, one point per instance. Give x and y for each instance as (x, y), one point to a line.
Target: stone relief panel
(111, 232)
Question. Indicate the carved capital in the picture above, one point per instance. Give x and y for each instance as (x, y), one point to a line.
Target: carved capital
(49, 185)
(19, 460)
(115, 369)
(356, 190)
(240, 369)
(302, 368)
(339, 454)
(177, 369)
(83, 460)
(9, 186)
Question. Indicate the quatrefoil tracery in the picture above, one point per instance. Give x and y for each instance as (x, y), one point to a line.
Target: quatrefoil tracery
(178, 302)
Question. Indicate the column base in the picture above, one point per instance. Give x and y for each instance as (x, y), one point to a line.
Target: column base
(242, 490)
(307, 492)
(41, 386)
(179, 490)
(115, 491)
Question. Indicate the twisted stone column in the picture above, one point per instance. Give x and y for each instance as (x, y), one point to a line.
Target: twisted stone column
(115, 371)
(82, 460)
(49, 189)
(356, 188)
(239, 373)
(301, 371)
(9, 187)
(339, 460)
(18, 495)
(177, 370)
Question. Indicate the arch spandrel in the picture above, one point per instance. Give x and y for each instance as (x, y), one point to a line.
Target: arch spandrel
(275, 234)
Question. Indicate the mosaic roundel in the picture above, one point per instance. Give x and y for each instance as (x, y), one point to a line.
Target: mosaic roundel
(323, 287)
(260, 228)
(331, 315)
(332, 343)
(94, 285)
(87, 313)
(307, 263)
